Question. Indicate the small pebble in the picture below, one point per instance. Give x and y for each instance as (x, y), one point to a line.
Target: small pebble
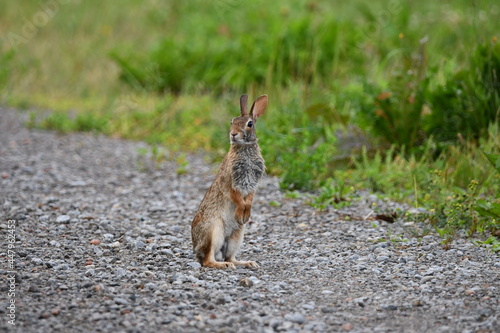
(63, 219)
(295, 318)
(347, 327)
(245, 282)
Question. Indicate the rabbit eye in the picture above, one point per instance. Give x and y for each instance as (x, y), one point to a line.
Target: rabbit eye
(250, 124)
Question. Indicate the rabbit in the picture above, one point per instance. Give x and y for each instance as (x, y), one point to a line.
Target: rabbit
(219, 224)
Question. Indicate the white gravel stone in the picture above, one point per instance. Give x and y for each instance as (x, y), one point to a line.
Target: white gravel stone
(63, 219)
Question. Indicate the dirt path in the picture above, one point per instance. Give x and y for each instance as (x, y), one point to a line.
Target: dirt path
(103, 245)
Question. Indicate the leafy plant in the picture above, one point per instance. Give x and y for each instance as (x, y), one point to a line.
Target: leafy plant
(158, 155)
(494, 159)
(183, 164)
(395, 114)
(305, 173)
(457, 209)
(469, 101)
(333, 193)
(489, 209)
(83, 122)
(493, 241)
(6, 60)
(57, 121)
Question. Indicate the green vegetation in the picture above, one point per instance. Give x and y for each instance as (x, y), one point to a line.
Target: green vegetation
(401, 98)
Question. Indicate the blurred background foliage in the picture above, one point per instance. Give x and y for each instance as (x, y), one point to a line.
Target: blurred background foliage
(367, 94)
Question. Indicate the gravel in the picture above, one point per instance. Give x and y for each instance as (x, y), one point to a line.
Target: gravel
(103, 245)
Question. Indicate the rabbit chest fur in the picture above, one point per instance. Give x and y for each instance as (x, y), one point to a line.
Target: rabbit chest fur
(247, 169)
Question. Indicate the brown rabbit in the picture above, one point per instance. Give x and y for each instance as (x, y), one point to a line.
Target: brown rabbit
(219, 224)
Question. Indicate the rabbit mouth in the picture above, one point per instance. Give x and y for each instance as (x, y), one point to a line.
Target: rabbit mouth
(238, 141)
(241, 141)
(236, 138)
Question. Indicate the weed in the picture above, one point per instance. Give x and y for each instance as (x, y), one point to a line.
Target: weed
(87, 122)
(493, 241)
(396, 113)
(58, 121)
(469, 101)
(32, 120)
(183, 164)
(158, 155)
(5, 70)
(142, 151)
(460, 210)
(334, 194)
(420, 232)
(293, 194)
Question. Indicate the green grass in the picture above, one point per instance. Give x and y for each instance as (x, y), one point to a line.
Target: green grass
(416, 82)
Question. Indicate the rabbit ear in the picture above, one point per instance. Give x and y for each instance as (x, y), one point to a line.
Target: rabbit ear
(258, 107)
(244, 105)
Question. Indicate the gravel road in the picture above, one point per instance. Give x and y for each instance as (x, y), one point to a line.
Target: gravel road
(103, 245)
